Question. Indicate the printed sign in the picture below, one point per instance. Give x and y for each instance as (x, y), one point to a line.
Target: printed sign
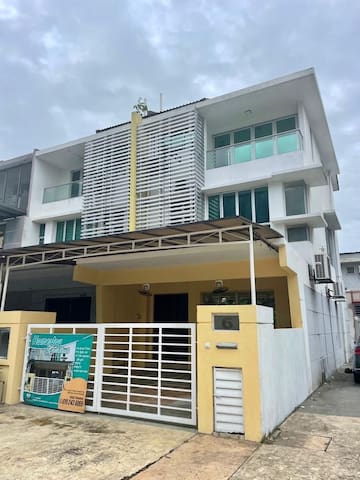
(57, 371)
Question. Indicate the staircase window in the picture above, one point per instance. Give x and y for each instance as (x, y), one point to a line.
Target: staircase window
(295, 198)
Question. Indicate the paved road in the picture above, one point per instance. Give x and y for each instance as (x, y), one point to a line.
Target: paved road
(320, 441)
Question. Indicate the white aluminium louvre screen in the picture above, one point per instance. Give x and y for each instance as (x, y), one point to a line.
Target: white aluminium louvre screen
(228, 400)
(170, 170)
(106, 185)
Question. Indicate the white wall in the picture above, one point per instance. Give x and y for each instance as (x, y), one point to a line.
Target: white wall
(283, 380)
(315, 150)
(320, 199)
(306, 134)
(30, 233)
(44, 175)
(276, 201)
(255, 170)
(325, 323)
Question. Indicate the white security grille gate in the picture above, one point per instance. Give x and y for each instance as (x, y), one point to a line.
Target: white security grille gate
(228, 400)
(144, 370)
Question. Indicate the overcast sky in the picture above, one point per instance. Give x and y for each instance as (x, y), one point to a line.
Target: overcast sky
(68, 67)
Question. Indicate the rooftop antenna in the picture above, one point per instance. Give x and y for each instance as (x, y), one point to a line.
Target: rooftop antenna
(141, 107)
(161, 102)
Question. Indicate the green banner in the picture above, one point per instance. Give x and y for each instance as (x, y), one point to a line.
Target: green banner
(57, 371)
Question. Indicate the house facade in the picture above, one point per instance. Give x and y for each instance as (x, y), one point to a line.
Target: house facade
(217, 214)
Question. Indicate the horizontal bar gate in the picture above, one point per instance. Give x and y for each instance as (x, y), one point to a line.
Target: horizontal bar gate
(143, 370)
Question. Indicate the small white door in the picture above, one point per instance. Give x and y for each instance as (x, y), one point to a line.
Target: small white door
(228, 400)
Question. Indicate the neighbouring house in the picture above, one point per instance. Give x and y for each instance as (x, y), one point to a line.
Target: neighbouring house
(350, 267)
(199, 245)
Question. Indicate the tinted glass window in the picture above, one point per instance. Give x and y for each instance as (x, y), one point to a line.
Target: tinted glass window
(295, 199)
(12, 187)
(242, 135)
(24, 186)
(245, 204)
(69, 231)
(298, 234)
(222, 140)
(285, 124)
(78, 229)
(262, 204)
(60, 231)
(229, 204)
(4, 342)
(263, 130)
(42, 227)
(214, 207)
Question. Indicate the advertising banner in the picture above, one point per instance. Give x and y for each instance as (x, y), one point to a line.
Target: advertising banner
(57, 371)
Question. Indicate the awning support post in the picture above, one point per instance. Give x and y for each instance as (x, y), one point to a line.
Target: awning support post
(252, 265)
(5, 287)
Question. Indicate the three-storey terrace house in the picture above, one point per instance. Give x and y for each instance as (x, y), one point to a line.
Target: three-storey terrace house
(185, 216)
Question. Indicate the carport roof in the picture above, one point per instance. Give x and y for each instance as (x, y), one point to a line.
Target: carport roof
(235, 229)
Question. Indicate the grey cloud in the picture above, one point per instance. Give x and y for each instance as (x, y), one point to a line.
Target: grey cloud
(69, 67)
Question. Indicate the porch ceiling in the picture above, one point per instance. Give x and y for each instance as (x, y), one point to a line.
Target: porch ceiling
(189, 256)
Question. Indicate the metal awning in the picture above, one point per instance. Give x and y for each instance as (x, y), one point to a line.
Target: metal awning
(235, 229)
(214, 232)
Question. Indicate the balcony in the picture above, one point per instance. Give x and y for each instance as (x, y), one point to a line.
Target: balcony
(62, 192)
(256, 149)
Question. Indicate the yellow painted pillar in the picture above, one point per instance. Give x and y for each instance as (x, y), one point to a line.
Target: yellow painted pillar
(293, 289)
(245, 357)
(135, 121)
(11, 365)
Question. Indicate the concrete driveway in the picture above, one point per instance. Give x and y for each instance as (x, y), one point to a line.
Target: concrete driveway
(40, 443)
(47, 444)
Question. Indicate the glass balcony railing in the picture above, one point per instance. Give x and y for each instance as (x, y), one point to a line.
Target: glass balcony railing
(255, 149)
(62, 192)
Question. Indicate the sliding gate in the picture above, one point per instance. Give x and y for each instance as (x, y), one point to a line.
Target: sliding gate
(144, 370)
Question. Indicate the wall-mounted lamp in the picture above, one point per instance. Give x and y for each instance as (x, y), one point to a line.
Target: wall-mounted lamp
(145, 290)
(219, 287)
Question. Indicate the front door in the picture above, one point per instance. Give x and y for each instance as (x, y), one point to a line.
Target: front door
(171, 308)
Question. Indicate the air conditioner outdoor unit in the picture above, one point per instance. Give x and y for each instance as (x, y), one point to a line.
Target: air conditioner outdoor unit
(338, 292)
(322, 269)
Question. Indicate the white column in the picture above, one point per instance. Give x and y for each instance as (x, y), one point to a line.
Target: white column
(4, 291)
(252, 265)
